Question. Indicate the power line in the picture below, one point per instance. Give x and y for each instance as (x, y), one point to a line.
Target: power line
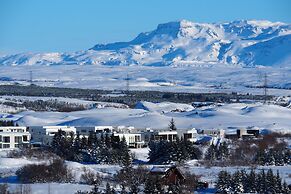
(127, 83)
(265, 88)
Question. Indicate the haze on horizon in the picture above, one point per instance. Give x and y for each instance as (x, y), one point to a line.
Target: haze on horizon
(64, 26)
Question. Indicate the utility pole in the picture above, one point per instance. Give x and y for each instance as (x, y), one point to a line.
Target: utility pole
(265, 88)
(127, 83)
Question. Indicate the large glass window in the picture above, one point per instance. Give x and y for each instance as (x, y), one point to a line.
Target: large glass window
(6, 145)
(18, 139)
(25, 138)
(6, 139)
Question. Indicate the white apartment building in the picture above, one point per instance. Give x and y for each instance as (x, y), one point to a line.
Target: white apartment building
(191, 135)
(14, 137)
(45, 134)
(133, 140)
(220, 133)
(104, 129)
(166, 135)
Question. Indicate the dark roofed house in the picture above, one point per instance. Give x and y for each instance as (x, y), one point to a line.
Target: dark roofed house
(168, 174)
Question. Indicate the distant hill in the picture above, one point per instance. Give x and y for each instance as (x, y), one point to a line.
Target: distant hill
(183, 43)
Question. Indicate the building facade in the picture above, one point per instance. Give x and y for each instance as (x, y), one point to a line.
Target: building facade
(14, 137)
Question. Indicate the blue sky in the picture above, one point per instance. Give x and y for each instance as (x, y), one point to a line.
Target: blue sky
(71, 25)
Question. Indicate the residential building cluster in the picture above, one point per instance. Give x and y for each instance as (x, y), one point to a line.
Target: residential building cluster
(14, 137)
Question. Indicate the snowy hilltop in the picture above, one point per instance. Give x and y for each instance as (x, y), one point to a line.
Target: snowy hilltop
(183, 43)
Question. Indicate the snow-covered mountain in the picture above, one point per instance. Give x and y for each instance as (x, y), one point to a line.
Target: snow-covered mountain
(183, 43)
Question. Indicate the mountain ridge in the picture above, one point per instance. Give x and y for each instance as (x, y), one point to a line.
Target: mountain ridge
(246, 43)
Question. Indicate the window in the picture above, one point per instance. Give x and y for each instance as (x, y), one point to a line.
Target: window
(25, 138)
(0, 138)
(137, 138)
(6, 139)
(18, 139)
(6, 145)
(0, 145)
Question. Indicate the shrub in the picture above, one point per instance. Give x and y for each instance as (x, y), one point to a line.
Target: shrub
(90, 178)
(4, 189)
(56, 171)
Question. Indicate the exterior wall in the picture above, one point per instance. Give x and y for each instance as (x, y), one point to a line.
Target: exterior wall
(13, 137)
(191, 135)
(166, 136)
(133, 140)
(45, 134)
(215, 133)
(102, 129)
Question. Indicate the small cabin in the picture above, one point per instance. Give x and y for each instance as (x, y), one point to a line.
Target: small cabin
(168, 174)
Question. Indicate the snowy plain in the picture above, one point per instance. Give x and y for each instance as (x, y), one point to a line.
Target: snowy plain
(157, 116)
(9, 166)
(200, 79)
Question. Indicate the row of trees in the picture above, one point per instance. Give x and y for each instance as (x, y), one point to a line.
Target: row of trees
(217, 152)
(273, 156)
(165, 152)
(101, 150)
(269, 150)
(46, 105)
(252, 182)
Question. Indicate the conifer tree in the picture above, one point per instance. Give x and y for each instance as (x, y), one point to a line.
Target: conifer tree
(211, 153)
(224, 182)
(149, 187)
(278, 181)
(237, 184)
(108, 189)
(172, 125)
(123, 191)
(251, 182)
(262, 182)
(270, 181)
(285, 188)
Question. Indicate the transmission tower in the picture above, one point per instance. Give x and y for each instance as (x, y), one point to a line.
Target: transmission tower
(127, 83)
(265, 88)
(30, 77)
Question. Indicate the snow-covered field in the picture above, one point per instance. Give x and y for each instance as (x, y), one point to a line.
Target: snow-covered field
(158, 115)
(216, 78)
(207, 174)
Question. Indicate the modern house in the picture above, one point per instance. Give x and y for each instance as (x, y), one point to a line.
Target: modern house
(98, 130)
(14, 137)
(213, 132)
(191, 135)
(165, 135)
(248, 133)
(133, 140)
(45, 134)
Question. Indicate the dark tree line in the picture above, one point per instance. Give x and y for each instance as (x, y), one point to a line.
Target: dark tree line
(252, 182)
(273, 156)
(165, 152)
(265, 151)
(47, 105)
(106, 149)
(217, 152)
